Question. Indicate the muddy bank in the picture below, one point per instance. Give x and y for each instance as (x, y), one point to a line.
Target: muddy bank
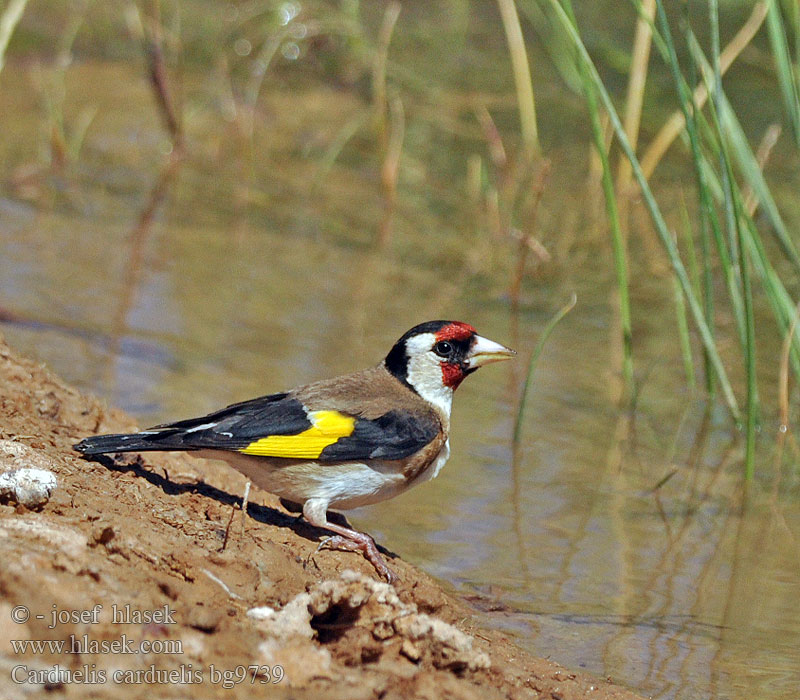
(127, 567)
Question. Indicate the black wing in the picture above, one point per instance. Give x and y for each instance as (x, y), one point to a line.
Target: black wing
(394, 435)
(230, 428)
(253, 427)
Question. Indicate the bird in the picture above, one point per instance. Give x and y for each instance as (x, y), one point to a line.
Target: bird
(339, 443)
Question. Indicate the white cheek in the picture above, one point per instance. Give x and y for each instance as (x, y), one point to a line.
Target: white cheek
(425, 372)
(425, 375)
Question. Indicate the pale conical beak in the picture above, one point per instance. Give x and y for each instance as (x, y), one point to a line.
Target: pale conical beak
(484, 351)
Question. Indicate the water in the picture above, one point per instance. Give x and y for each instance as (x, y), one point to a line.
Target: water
(252, 268)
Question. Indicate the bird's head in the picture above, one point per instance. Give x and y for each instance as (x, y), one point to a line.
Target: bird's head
(434, 357)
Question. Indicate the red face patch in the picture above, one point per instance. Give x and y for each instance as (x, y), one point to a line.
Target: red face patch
(452, 374)
(456, 331)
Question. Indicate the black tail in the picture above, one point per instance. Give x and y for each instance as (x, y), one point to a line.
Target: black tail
(135, 442)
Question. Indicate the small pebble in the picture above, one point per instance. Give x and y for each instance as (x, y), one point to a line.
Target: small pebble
(203, 618)
(30, 487)
(263, 613)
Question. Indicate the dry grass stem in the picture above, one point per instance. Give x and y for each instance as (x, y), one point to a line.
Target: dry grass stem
(150, 35)
(768, 141)
(522, 75)
(379, 68)
(497, 150)
(11, 16)
(642, 42)
(391, 165)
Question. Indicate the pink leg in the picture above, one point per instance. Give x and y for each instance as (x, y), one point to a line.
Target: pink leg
(354, 541)
(347, 539)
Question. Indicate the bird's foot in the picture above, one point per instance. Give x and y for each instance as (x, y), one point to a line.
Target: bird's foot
(363, 543)
(339, 543)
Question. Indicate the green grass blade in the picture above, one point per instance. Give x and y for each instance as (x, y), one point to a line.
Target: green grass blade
(680, 302)
(750, 347)
(548, 329)
(708, 182)
(783, 307)
(337, 145)
(784, 67)
(709, 221)
(612, 213)
(656, 216)
(683, 333)
(734, 210)
(552, 40)
(747, 162)
(728, 181)
(779, 299)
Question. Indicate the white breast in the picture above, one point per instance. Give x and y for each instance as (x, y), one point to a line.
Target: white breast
(343, 486)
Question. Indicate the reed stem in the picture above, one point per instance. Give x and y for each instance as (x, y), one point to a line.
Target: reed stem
(612, 213)
(655, 212)
(634, 99)
(677, 121)
(522, 76)
(9, 20)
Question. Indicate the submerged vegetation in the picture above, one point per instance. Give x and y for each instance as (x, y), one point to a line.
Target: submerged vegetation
(729, 253)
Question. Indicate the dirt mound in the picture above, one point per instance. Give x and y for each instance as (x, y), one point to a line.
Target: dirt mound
(125, 578)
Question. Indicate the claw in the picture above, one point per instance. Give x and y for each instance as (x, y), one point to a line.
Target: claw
(315, 511)
(338, 542)
(360, 542)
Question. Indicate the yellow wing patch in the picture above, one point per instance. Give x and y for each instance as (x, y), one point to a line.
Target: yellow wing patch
(326, 428)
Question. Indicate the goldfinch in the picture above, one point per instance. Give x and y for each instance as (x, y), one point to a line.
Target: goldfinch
(338, 443)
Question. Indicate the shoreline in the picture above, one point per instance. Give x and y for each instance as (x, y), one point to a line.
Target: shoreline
(224, 605)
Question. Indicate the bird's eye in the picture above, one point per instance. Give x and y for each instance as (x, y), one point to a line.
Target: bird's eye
(443, 348)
